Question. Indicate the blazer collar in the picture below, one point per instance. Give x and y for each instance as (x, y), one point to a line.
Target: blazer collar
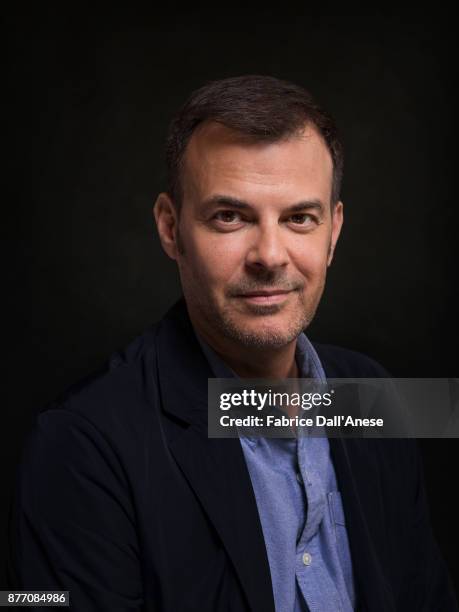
(182, 367)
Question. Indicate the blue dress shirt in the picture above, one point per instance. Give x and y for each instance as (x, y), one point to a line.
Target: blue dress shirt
(308, 551)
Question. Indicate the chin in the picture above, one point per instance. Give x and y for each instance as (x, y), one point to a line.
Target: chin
(266, 334)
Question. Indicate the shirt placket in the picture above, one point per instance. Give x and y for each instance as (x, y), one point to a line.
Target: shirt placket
(309, 566)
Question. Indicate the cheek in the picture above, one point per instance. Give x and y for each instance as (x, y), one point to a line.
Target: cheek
(213, 258)
(310, 256)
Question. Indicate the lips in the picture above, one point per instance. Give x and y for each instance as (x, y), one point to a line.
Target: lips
(266, 293)
(272, 296)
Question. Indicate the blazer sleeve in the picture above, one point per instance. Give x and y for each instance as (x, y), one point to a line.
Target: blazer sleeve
(72, 519)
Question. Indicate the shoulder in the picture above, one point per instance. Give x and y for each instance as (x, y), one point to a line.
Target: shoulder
(340, 362)
(113, 401)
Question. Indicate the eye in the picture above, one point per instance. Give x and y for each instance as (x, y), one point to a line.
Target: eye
(227, 216)
(303, 219)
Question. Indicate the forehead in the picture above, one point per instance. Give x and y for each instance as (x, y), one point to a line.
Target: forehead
(221, 160)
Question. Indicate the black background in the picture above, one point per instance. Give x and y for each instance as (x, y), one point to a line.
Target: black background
(87, 101)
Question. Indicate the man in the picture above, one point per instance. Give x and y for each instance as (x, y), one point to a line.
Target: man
(126, 502)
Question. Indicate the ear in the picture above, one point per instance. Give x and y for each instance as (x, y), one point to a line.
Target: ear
(167, 222)
(337, 223)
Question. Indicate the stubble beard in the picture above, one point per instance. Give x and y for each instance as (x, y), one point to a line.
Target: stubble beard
(227, 324)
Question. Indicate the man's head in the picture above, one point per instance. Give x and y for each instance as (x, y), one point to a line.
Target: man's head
(252, 212)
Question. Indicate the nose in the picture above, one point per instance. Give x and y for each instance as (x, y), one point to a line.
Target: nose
(268, 250)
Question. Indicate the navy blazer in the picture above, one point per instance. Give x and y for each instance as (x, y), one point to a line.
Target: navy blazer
(123, 500)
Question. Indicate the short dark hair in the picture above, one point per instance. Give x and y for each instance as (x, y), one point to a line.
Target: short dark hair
(263, 108)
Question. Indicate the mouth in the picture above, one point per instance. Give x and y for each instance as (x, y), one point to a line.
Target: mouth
(272, 296)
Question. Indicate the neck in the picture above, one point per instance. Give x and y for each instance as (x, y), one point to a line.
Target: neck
(262, 363)
(255, 362)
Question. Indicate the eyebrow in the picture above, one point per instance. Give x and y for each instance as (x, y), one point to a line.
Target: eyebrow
(223, 200)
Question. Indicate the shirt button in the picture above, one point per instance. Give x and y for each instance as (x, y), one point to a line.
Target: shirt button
(307, 559)
(299, 478)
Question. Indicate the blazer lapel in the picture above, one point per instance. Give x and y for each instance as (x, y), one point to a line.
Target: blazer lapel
(358, 479)
(215, 468)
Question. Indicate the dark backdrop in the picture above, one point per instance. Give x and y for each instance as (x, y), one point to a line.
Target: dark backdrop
(86, 106)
